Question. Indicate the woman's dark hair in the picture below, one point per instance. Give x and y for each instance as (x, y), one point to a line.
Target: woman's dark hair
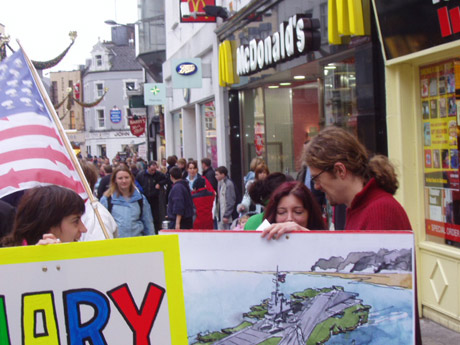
(40, 209)
(260, 190)
(299, 190)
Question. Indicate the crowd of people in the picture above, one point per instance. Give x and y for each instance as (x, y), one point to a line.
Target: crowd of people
(139, 198)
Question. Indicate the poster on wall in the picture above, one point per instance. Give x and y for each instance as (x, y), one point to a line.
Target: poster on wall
(305, 288)
(120, 291)
(439, 114)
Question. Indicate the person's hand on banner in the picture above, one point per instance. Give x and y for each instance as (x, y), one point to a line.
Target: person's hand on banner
(48, 239)
(276, 230)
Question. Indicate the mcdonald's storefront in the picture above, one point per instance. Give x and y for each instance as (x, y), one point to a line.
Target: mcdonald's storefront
(290, 68)
(421, 41)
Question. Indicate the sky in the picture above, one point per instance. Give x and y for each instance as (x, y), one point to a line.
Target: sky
(43, 26)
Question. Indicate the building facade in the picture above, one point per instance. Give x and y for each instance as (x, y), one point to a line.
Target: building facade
(65, 88)
(421, 46)
(111, 74)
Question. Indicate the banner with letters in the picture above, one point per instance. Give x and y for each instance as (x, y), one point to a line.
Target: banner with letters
(122, 291)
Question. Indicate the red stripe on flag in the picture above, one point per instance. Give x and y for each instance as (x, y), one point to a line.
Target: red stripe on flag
(45, 176)
(37, 153)
(29, 130)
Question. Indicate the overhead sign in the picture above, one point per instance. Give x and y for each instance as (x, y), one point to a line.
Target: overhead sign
(154, 94)
(299, 35)
(115, 115)
(121, 291)
(411, 26)
(192, 11)
(186, 73)
(137, 125)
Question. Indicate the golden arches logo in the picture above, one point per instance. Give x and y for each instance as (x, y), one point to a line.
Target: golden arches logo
(348, 18)
(196, 4)
(227, 64)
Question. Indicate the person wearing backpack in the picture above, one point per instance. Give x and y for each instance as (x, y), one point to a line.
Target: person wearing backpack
(128, 206)
(180, 203)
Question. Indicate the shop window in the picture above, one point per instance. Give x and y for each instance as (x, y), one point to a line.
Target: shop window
(440, 118)
(208, 113)
(340, 105)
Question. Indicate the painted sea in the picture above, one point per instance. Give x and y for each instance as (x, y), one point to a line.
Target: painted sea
(217, 299)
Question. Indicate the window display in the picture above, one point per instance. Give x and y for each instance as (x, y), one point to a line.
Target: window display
(209, 130)
(440, 137)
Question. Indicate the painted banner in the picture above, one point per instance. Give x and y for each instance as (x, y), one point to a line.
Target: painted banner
(305, 288)
(440, 116)
(122, 291)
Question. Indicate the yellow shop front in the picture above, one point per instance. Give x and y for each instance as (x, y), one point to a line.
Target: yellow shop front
(421, 44)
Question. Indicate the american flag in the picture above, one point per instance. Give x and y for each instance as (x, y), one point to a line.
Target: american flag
(32, 152)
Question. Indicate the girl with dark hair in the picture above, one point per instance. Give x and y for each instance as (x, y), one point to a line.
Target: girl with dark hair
(128, 206)
(260, 192)
(293, 205)
(45, 215)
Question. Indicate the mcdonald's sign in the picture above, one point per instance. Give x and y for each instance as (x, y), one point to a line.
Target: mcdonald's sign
(348, 18)
(227, 71)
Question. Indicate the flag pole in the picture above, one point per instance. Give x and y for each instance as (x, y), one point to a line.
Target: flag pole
(65, 140)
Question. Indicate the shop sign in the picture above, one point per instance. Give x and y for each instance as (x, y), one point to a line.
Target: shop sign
(186, 73)
(115, 115)
(137, 125)
(154, 94)
(299, 35)
(411, 26)
(192, 11)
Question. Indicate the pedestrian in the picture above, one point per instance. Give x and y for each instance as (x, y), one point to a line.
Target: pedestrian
(192, 173)
(180, 203)
(247, 205)
(182, 164)
(208, 172)
(153, 185)
(260, 192)
(128, 206)
(255, 162)
(226, 199)
(89, 218)
(203, 199)
(341, 168)
(104, 182)
(46, 215)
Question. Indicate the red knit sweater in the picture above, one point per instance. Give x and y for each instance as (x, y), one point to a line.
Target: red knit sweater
(375, 209)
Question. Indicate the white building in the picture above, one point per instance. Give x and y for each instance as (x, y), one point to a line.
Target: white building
(112, 68)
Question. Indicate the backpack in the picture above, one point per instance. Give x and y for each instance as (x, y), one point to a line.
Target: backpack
(140, 202)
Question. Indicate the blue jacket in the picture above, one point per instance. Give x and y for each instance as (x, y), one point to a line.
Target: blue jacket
(180, 201)
(127, 215)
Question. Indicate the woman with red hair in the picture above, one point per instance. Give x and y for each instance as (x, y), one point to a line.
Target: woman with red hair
(293, 207)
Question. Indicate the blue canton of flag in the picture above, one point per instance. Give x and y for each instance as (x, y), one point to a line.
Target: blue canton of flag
(32, 152)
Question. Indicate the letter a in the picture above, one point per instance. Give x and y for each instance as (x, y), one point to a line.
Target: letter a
(39, 322)
(140, 321)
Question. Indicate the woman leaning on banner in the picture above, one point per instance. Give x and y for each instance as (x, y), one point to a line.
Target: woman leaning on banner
(128, 206)
(45, 215)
